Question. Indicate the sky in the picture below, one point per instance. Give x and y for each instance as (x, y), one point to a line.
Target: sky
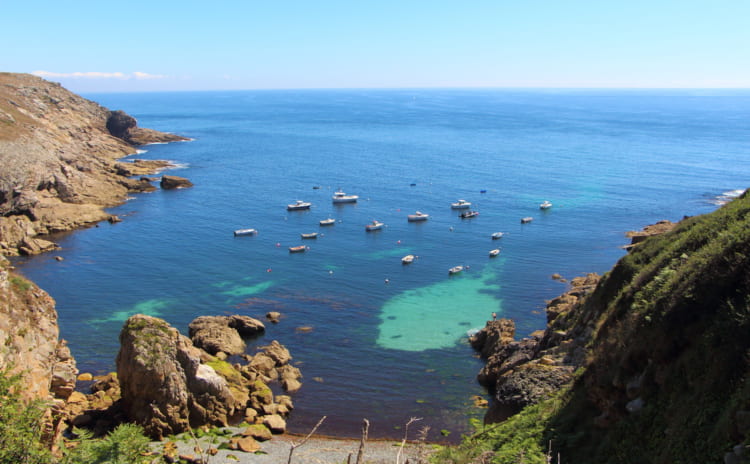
(158, 45)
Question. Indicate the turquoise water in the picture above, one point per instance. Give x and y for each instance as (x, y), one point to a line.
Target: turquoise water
(387, 340)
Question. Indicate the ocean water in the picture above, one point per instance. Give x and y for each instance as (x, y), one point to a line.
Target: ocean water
(374, 338)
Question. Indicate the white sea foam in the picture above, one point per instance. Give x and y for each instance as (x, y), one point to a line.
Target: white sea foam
(140, 152)
(726, 197)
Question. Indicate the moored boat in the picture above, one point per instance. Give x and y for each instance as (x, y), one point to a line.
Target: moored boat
(374, 225)
(494, 252)
(468, 214)
(297, 249)
(455, 269)
(461, 204)
(408, 259)
(310, 235)
(417, 216)
(545, 205)
(240, 232)
(298, 205)
(327, 222)
(497, 235)
(526, 220)
(341, 197)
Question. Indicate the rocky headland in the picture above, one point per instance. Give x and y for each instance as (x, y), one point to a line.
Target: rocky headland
(59, 163)
(646, 363)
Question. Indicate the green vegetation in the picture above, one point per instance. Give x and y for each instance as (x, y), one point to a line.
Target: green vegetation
(21, 424)
(126, 444)
(19, 283)
(23, 439)
(666, 379)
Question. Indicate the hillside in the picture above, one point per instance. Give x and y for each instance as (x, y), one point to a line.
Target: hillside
(58, 167)
(657, 355)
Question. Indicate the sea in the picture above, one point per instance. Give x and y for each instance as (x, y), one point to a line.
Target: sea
(376, 339)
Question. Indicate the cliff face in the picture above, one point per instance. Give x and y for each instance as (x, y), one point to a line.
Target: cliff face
(660, 347)
(29, 338)
(58, 160)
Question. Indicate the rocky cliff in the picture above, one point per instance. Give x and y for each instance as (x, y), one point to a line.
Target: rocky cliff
(58, 161)
(29, 338)
(648, 363)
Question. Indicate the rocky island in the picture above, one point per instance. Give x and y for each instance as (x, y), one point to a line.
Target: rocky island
(59, 155)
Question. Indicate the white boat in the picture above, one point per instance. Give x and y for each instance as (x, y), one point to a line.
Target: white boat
(298, 205)
(297, 249)
(545, 205)
(240, 232)
(468, 214)
(408, 259)
(417, 216)
(374, 225)
(461, 204)
(497, 235)
(310, 235)
(327, 222)
(455, 269)
(526, 219)
(494, 252)
(341, 197)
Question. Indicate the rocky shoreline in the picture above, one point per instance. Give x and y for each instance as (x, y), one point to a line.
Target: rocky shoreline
(60, 157)
(518, 373)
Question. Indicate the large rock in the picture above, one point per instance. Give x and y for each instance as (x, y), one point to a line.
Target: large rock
(174, 182)
(30, 337)
(223, 333)
(168, 384)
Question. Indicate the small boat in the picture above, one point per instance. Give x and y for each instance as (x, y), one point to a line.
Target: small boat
(297, 249)
(310, 235)
(468, 214)
(408, 259)
(417, 216)
(494, 252)
(483, 191)
(298, 205)
(461, 204)
(413, 184)
(526, 219)
(374, 225)
(545, 205)
(240, 232)
(455, 270)
(316, 187)
(497, 235)
(327, 222)
(341, 197)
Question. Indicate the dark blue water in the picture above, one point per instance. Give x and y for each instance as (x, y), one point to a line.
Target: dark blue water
(609, 161)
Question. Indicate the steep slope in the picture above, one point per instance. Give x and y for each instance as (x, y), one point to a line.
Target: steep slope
(658, 351)
(29, 338)
(58, 155)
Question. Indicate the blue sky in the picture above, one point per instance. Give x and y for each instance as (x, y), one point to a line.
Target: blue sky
(94, 46)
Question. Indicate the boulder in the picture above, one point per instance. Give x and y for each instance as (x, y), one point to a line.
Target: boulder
(278, 353)
(174, 182)
(275, 423)
(223, 333)
(247, 444)
(166, 387)
(273, 316)
(258, 431)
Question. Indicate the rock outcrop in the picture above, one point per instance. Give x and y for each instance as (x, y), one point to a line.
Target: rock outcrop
(58, 168)
(30, 338)
(174, 182)
(520, 373)
(223, 334)
(168, 384)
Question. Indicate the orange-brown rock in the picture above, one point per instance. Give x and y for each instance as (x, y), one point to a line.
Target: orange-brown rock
(58, 168)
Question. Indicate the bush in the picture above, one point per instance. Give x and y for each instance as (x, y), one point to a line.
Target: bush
(21, 424)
